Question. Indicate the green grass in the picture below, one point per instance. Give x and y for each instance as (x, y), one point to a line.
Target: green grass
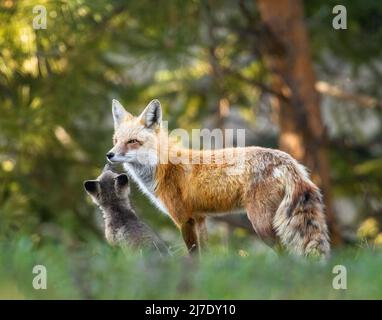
(96, 271)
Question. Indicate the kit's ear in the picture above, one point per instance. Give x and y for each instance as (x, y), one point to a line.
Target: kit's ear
(122, 180)
(91, 186)
(152, 115)
(119, 113)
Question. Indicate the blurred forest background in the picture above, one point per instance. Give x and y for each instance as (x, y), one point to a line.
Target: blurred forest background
(276, 68)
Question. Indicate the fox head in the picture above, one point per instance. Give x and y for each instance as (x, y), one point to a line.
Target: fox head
(108, 188)
(136, 139)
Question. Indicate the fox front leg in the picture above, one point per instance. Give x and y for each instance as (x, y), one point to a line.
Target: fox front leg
(189, 234)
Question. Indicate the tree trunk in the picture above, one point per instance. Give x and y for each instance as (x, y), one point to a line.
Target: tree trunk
(285, 48)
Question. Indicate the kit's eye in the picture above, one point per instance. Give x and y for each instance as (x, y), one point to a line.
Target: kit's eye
(115, 141)
(132, 141)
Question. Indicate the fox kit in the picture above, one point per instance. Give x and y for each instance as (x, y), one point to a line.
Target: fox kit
(122, 226)
(281, 201)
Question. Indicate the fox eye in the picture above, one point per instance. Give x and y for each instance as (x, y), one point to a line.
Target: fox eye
(115, 141)
(132, 141)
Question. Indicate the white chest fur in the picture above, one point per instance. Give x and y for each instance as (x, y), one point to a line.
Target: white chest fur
(145, 179)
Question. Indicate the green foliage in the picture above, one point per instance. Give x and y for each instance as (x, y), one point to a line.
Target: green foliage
(97, 271)
(360, 44)
(56, 87)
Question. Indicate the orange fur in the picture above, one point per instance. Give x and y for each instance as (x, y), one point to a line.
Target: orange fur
(269, 184)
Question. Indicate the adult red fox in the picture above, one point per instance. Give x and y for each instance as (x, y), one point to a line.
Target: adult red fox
(281, 201)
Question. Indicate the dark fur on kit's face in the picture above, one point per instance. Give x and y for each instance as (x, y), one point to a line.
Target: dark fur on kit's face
(108, 188)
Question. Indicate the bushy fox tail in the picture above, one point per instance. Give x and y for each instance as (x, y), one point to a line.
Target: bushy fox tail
(300, 221)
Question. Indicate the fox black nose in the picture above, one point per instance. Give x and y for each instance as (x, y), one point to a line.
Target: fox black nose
(110, 155)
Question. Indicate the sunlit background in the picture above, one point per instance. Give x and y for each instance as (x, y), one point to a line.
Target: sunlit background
(212, 64)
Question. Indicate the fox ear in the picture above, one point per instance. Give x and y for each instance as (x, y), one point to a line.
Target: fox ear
(152, 115)
(122, 180)
(119, 113)
(91, 186)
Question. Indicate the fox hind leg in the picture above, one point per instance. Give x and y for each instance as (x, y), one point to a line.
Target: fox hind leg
(261, 220)
(201, 230)
(262, 202)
